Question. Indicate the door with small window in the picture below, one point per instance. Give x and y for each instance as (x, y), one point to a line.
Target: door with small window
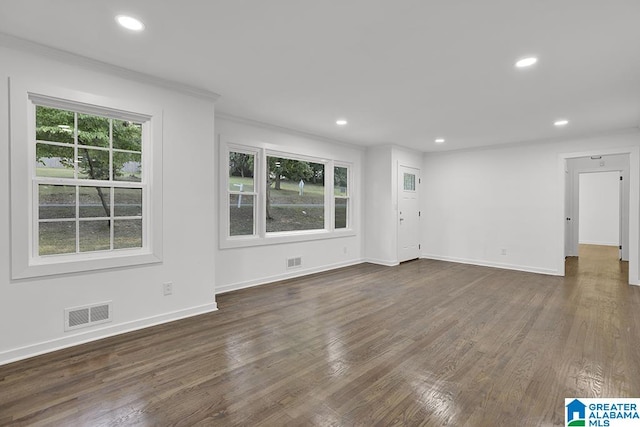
(408, 213)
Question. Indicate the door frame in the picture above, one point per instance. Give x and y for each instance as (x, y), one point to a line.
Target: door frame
(622, 208)
(572, 203)
(400, 182)
(634, 206)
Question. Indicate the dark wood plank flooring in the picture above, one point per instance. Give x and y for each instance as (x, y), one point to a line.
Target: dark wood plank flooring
(425, 343)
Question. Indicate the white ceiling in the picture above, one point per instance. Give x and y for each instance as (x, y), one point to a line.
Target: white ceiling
(401, 72)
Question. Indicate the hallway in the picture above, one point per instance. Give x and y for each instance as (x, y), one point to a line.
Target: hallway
(596, 263)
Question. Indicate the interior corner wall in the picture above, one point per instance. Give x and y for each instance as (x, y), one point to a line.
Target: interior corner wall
(255, 265)
(32, 310)
(500, 206)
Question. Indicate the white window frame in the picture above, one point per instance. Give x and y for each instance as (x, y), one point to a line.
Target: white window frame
(261, 236)
(26, 262)
(326, 203)
(347, 197)
(254, 193)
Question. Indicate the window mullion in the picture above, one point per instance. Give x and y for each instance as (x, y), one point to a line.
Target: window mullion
(260, 171)
(329, 201)
(77, 219)
(110, 149)
(75, 146)
(112, 222)
(35, 227)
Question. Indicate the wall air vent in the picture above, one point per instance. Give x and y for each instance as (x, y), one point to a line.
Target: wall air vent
(82, 317)
(294, 262)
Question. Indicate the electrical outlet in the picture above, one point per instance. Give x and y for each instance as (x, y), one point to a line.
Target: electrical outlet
(167, 288)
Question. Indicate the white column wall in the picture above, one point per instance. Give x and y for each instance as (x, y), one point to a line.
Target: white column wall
(380, 234)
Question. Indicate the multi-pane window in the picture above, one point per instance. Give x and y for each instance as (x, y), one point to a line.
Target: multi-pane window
(295, 195)
(341, 196)
(241, 194)
(409, 182)
(88, 182)
(268, 196)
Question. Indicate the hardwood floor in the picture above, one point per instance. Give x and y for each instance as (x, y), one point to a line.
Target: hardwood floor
(425, 343)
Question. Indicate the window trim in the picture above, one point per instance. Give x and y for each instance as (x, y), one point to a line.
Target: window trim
(261, 236)
(347, 197)
(255, 193)
(25, 263)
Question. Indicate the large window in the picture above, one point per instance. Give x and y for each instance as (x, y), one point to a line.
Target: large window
(270, 196)
(88, 185)
(294, 195)
(86, 181)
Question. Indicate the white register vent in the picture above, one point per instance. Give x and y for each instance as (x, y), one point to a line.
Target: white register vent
(294, 262)
(89, 315)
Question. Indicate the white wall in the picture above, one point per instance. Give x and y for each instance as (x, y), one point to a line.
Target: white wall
(479, 203)
(380, 231)
(600, 208)
(381, 218)
(31, 310)
(249, 266)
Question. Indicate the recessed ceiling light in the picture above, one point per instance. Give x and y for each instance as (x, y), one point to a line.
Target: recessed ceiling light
(130, 23)
(526, 62)
(562, 122)
(439, 140)
(341, 122)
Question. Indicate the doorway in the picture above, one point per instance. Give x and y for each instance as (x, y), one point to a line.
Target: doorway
(408, 213)
(626, 160)
(595, 170)
(596, 260)
(599, 209)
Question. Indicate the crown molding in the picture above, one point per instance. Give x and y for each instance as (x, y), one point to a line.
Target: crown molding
(538, 142)
(20, 44)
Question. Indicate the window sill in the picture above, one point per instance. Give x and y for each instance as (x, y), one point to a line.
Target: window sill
(283, 237)
(54, 265)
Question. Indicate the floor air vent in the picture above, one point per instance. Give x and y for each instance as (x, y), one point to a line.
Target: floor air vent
(81, 317)
(294, 262)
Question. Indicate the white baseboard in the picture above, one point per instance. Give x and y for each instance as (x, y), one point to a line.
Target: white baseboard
(386, 263)
(484, 263)
(25, 352)
(284, 276)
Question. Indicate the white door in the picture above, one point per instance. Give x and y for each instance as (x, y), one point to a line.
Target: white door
(408, 213)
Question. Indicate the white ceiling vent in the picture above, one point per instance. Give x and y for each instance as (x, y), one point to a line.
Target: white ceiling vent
(294, 262)
(81, 317)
